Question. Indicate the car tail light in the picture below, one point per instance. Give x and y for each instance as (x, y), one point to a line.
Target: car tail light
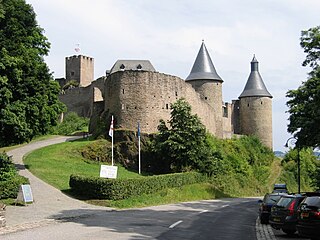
(291, 208)
(317, 214)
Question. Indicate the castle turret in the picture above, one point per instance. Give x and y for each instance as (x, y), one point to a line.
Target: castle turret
(206, 81)
(256, 107)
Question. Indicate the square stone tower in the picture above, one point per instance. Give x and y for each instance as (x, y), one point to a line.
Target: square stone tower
(81, 69)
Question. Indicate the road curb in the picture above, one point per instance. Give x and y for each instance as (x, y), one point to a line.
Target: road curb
(264, 231)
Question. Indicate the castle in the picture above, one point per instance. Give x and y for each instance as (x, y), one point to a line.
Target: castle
(133, 91)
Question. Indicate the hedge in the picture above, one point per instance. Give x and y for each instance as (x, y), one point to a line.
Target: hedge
(116, 189)
(10, 187)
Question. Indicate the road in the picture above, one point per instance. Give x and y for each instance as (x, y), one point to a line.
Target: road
(216, 219)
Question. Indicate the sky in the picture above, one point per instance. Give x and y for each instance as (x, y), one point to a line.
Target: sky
(169, 33)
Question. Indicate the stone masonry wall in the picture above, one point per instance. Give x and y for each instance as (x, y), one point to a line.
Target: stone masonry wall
(133, 96)
(256, 118)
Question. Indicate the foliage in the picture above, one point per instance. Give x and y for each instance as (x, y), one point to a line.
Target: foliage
(305, 101)
(116, 189)
(309, 169)
(9, 179)
(70, 84)
(28, 95)
(71, 124)
(99, 150)
(182, 146)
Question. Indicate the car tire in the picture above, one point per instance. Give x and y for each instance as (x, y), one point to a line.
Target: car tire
(289, 231)
(264, 221)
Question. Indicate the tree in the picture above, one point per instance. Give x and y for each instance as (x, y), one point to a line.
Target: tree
(305, 101)
(29, 103)
(182, 146)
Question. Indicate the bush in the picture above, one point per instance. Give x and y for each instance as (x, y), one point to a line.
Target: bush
(10, 188)
(116, 189)
(9, 179)
(71, 123)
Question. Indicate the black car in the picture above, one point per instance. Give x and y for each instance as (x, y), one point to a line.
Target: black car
(284, 214)
(309, 217)
(265, 206)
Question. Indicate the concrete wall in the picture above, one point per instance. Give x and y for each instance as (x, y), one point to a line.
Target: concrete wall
(256, 118)
(133, 96)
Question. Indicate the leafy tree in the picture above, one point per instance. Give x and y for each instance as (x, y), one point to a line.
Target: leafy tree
(305, 101)
(29, 103)
(182, 146)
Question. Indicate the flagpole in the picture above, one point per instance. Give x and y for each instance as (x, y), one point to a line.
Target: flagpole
(111, 133)
(139, 148)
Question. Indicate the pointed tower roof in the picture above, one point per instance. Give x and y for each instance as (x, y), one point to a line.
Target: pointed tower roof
(255, 86)
(203, 67)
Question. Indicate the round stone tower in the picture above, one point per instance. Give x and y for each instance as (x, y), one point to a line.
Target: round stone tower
(256, 107)
(206, 81)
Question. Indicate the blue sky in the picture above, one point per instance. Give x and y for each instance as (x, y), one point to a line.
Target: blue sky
(169, 34)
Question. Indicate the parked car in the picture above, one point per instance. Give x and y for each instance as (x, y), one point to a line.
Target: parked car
(309, 217)
(265, 206)
(284, 214)
(280, 188)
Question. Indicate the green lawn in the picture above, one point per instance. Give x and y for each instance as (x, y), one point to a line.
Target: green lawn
(54, 164)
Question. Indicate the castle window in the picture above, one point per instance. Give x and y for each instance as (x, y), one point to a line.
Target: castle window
(225, 112)
(72, 73)
(205, 98)
(122, 91)
(248, 105)
(176, 93)
(261, 102)
(135, 107)
(139, 67)
(167, 106)
(122, 67)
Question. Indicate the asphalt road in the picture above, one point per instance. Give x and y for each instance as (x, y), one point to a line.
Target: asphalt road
(216, 219)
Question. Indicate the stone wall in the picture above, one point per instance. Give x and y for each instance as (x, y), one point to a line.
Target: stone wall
(145, 97)
(80, 99)
(256, 118)
(81, 69)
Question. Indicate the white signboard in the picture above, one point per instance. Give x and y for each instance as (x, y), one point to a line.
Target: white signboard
(108, 171)
(25, 194)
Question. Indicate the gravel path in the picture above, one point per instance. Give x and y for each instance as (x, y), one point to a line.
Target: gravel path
(49, 203)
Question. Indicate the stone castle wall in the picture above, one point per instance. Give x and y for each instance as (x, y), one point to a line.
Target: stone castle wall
(133, 96)
(256, 118)
(80, 99)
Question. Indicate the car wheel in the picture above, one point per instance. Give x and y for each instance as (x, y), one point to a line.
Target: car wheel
(289, 232)
(264, 221)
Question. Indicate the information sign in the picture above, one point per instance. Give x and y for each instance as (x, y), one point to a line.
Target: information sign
(108, 171)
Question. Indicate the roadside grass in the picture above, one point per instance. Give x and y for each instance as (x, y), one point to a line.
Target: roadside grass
(54, 164)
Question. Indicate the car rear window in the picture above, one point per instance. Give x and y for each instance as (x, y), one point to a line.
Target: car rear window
(272, 199)
(312, 201)
(284, 201)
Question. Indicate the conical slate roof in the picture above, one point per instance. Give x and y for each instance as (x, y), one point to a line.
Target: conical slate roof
(255, 86)
(203, 67)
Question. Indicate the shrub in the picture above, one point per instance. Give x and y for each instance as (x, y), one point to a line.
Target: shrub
(9, 179)
(71, 123)
(116, 189)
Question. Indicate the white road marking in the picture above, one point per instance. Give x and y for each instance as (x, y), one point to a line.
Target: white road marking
(204, 211)
(175, 224)
(225, 205)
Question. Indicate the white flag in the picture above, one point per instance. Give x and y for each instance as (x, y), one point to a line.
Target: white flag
(111, 127)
